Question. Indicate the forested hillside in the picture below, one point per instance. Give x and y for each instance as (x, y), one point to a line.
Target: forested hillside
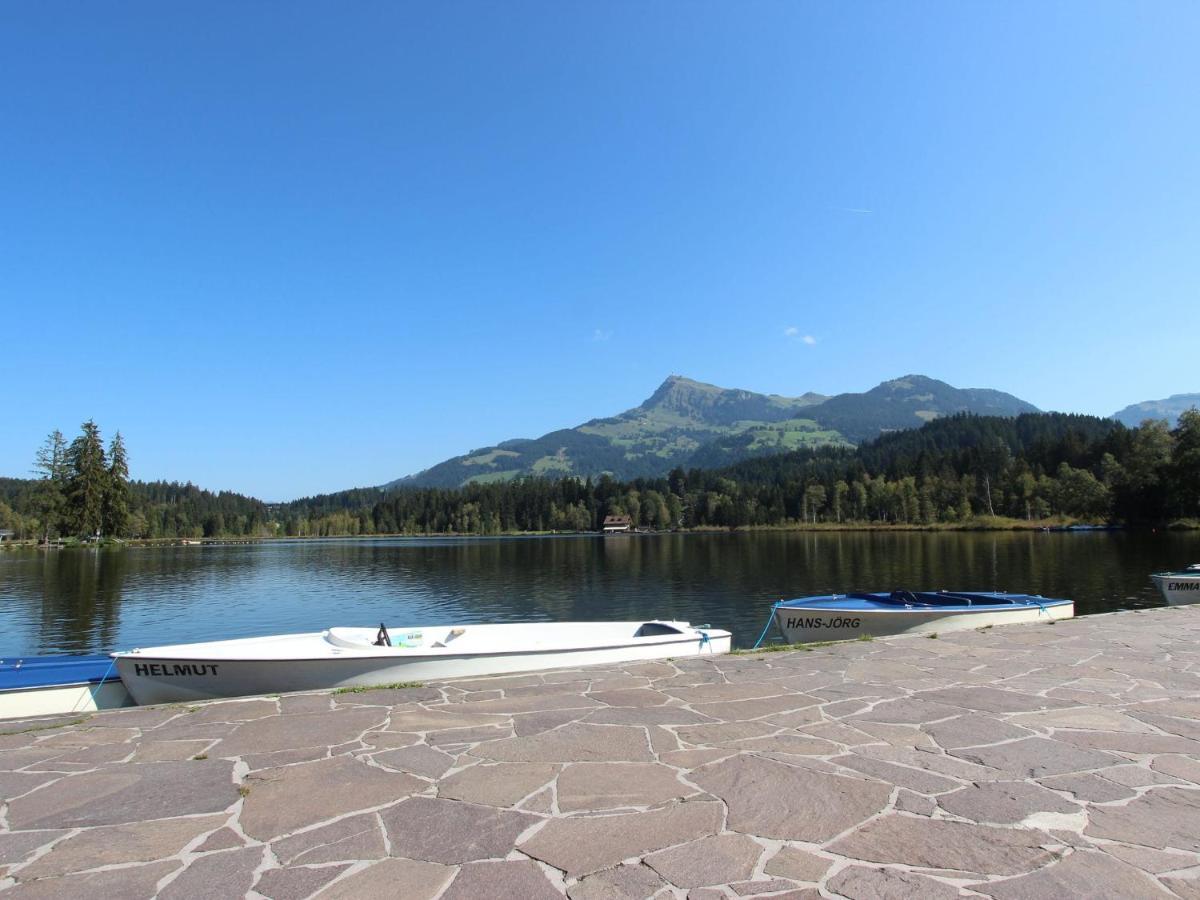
(955, 471)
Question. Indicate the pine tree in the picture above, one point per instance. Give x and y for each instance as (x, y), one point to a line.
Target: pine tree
(50, 465)
(88, 481)
(116, 495)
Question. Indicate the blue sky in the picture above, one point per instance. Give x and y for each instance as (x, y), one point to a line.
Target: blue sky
(291, 248)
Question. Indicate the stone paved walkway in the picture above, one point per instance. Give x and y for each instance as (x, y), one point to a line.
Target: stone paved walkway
(1029, 761)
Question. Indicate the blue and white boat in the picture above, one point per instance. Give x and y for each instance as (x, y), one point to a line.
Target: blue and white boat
(841, 617)
(47, 685)
(1179, 587)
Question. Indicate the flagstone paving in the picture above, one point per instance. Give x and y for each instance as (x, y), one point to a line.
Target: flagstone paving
(1029, 761)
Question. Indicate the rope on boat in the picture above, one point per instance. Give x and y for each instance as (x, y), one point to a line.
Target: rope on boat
(96, 690)
(766, 628)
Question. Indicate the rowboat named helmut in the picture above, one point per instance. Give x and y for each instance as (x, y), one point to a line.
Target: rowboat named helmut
(1179, 587)
(842, 617)
(364, 657)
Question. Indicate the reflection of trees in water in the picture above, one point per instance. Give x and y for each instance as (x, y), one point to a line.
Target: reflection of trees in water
(75, 600)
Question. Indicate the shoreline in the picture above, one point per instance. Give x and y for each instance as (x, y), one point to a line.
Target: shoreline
(978, 524)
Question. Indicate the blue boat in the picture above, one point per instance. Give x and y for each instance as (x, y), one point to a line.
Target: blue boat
(46, 685)
(841, 617)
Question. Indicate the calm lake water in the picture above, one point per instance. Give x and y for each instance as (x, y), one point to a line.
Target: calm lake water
(78, 601)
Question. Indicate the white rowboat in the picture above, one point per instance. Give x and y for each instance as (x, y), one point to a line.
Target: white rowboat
(843, 617)
(1179, 588)
(353, 657)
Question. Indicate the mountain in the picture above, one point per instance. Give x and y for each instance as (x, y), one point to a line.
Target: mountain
(1168, 409)
(692, 424)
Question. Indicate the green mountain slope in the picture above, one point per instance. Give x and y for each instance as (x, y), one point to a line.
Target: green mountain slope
(688, 423)
(1168, 409)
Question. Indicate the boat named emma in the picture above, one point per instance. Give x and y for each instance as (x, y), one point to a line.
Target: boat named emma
(841, 617)
(1179, 587)
(353, 657)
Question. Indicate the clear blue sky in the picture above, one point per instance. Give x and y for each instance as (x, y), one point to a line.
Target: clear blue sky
(290, 248)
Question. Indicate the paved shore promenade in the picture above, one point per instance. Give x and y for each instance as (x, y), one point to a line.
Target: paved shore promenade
(1028, 761)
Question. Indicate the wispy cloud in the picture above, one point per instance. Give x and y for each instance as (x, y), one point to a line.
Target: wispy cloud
(599, 336)
(793, 333)
(857, 210)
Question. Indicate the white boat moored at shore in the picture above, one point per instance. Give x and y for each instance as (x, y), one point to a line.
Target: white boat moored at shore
(1179, 587)
(843, 617)
(353, 657)
(49, 685)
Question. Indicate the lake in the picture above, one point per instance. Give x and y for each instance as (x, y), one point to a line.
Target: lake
(90, 600)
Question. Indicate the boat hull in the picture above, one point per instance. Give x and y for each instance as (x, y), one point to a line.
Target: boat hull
(63, 698)
(1178, 589)
(803, 625)
(160, 677)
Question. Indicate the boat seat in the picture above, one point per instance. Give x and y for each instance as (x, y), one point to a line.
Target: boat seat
(653, 629)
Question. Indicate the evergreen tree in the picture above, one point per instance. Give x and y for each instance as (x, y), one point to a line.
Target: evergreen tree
(116, 495)
(50, 465)
(87, 482)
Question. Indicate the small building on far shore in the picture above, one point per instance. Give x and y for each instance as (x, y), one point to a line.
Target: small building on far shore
(617, 524)
(5, 535)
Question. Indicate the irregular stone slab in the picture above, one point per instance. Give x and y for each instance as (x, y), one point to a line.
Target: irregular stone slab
(1178, 767)
(282, 800)
(535, 723)
(221, 839)
(352, 838)
(580, 846)
(382, 696)
(908, 711)
(691, 759)
(1124, 742)
(1136, 776)
(774, 800)
(907, 801)
(914, 779)
(1091, 788)
(1088, 718)
(632, 697)
(788, 742)
(451, 832)
(614, 785)
(934, 844)
(719, 859)
(1160, 818)
(707, 735)
(744, 710)
(1037, 757)
(649, 715)
(228, 873)
(509, 706)
(279, 758)
(419, 759)
(1187, 728)
(713, 693)
(408, 878)
(514, 878)
(234, 711)
(1148, 860)
(991, 699)
(572, 743)
(458, 716)
(297, 731)
(1004, 802)
(622, 883)
(168, 751)
(753, 888)
(86, 736)
(115, 844)
(297, 883)
(127, 793)
(867, 883)
(461, 737)
(16, 847)
(1082, 874)
(496, 784)
(128, 883)
(798, 865)
(14, 784)
(973, 731)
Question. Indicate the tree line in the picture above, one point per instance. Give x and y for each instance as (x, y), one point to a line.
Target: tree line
(955, 470)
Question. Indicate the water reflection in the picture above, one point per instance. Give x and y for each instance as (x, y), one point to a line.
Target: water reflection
(94, 600)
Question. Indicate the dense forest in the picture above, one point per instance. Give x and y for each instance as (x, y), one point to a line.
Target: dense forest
(956, 470)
